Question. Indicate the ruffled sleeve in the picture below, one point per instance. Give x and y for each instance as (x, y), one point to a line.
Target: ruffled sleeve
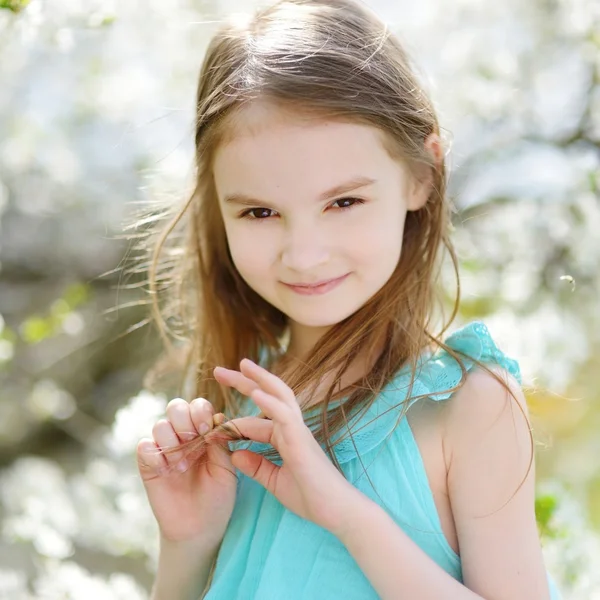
(473, 341)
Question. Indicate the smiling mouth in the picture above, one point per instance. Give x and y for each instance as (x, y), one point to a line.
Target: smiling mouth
(321, 287)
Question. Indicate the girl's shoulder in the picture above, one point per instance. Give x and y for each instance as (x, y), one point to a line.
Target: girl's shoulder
(452, 394)
(485, 400)
(436, 379)
(455, 401)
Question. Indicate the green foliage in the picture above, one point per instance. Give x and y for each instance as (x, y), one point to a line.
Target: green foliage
(478, 307)
(14, 5)
(41, 327)
(108, 20)
(35, 329)
(76, 295)
(545, 508)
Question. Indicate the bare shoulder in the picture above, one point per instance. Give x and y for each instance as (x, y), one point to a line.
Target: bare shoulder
(490, 408)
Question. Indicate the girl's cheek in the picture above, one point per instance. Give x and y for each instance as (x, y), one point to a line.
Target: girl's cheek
(250, 251)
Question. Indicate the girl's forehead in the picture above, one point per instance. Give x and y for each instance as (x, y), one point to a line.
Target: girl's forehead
(276, 143)
(298, 146)
(270, 148)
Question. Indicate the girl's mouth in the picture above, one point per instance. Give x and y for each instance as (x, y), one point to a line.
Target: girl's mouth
(316, 288)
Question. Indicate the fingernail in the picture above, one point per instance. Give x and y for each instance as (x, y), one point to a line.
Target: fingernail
(204, 428)
(182, 466)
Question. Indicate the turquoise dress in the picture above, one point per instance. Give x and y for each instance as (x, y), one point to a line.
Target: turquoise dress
(269, 553)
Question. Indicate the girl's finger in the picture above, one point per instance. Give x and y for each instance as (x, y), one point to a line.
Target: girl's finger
(166, 438)
(255, 429)
(268, 382)
(178, 413)
(235, 380)
(257, 467)
(202, 413)
(272, 407)
(151, 461)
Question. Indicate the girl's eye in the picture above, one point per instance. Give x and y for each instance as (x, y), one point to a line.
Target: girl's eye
(262, 214)
(257, 213)
(344, 203)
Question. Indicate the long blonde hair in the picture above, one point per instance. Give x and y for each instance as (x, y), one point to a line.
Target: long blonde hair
(335, 59)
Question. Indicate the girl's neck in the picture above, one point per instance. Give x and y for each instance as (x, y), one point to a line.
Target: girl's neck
(302, 340)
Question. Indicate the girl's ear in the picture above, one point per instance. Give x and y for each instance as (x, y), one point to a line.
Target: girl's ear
(421, 178)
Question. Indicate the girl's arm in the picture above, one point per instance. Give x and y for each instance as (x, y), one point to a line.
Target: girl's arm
(183, 570)
(488, 446)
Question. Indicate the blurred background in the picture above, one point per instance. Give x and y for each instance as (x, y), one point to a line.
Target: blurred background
(96, 118)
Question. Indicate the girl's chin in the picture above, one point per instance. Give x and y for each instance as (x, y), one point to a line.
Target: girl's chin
(317, 321)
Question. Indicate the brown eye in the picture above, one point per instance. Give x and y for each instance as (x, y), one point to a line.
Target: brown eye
(258, 213)
(347, 202)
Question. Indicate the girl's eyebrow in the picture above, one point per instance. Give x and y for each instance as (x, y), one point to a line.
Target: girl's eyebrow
(349, 186)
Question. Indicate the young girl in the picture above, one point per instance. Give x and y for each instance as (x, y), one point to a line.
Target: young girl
(336, 446)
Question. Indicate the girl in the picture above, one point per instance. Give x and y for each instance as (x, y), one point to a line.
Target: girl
(342, 449)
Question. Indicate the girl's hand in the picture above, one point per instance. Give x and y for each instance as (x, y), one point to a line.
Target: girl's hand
(307, 483)
(190, 503)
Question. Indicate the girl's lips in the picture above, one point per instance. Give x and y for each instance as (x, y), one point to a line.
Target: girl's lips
(313, 290)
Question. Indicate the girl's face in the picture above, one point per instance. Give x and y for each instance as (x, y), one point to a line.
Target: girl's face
(314, 212)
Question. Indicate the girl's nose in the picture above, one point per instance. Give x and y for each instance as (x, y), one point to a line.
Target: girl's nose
(304, 250)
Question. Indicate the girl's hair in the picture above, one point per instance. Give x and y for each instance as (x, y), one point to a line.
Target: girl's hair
(330, 59)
